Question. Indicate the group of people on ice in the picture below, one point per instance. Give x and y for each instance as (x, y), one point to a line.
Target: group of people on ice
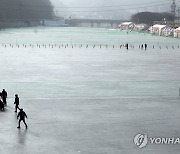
(21, 115)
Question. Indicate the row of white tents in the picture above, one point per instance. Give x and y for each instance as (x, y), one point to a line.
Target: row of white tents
(161, 30)
(165, 30)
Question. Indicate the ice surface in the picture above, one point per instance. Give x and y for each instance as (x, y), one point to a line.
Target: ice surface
(88, 100)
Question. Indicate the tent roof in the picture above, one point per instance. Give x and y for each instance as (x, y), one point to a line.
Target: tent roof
(126, 23)
(159, 26)
(177, 28)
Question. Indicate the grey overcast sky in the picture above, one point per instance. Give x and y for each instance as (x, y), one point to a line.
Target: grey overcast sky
(118, 9)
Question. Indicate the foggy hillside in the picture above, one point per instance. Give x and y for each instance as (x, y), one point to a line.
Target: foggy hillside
(114, 9)
(25, 9)
(102, 9)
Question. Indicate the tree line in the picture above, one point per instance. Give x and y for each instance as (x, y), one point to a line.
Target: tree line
(25, 9)
(150, 17)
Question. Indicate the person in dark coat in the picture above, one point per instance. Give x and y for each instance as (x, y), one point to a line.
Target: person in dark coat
(22, 116)
(1, 105)
(16, 102)
(127, 46)
(4, 96)
(145, 46)
(142, 46)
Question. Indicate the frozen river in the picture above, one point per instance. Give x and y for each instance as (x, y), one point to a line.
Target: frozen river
(85, 99)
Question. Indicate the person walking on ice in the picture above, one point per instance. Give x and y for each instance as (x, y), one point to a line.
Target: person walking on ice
(22, 116)
(4, 96)
(16, 102)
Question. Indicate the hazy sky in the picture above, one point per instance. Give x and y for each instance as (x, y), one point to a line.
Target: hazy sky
(121, 9)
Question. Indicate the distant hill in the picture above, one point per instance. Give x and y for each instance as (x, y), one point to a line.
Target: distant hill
(26, 9)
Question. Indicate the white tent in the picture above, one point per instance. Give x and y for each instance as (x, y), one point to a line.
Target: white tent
(168, 31)
(141, 27)
(157, 29)
(126, 25)
(177, 32)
